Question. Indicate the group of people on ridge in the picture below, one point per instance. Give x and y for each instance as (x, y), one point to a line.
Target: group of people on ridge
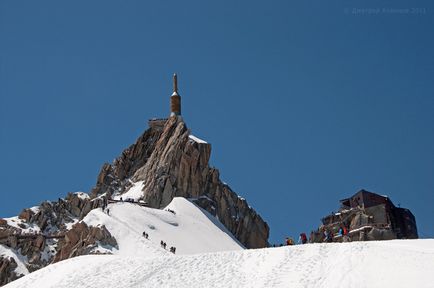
(327, 236)
(302, 239)
(342, 232)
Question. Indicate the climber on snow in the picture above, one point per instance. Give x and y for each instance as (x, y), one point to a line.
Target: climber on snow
(328, 236)
(302, 239)
(289, 241)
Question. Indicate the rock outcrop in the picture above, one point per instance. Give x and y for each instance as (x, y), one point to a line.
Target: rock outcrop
(47, 234)
(113, 178)
(7, 270)
(172, 164)
(83, 240)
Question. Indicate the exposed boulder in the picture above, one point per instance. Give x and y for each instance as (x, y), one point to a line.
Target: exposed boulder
(26, 215)
(83, 240)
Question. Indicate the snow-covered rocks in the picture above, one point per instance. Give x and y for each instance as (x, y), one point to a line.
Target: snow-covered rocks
(11, 265)
(52, 232)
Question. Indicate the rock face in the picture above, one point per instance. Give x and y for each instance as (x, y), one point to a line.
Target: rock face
(44, 235)
(82, 240)
(173, 164)
(7, 270)
(113, 178)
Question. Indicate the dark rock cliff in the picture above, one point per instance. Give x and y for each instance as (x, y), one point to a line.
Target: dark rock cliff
(171, 164)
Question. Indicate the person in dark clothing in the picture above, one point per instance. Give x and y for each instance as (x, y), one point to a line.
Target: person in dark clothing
(328, 236)
(161, 243)
(164, 245)
(303, 238)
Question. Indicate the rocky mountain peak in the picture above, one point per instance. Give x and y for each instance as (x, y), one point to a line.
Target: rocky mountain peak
(173, 163)
(165, 162)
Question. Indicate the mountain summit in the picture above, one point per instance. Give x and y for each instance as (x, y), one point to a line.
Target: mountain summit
(170, 162)
(161, 186)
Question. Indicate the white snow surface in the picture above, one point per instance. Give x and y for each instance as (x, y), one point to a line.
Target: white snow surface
(135, 192)
(191, 229)
(195, 139)
(396, 263)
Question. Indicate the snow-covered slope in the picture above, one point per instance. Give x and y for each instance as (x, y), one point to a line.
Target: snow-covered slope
(397, 263)
(188, 228)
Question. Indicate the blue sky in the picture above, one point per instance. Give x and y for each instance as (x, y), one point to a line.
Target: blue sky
(304, 103)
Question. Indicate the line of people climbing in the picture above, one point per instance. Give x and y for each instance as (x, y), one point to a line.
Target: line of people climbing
(164, 245)
(145, 235)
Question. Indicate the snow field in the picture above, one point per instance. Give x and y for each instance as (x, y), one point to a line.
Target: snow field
(397, 263)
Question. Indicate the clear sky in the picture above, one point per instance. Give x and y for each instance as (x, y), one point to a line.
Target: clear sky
(304, 103)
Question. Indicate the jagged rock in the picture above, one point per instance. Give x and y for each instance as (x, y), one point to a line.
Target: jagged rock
(112, 178)
(4, 233)
(172, 165)
(3, 222)
(26, 215)
(51, 218)
(7, 270)
(82, 239)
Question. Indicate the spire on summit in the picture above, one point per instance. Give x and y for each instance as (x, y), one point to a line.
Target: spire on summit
(175, 84)
(175, 99)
